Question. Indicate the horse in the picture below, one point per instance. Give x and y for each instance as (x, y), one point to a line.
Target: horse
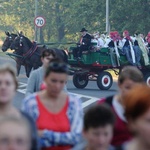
(31, 53)
(6, 45)
(8, 41)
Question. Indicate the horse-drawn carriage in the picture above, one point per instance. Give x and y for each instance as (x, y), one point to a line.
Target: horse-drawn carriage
(94, 66)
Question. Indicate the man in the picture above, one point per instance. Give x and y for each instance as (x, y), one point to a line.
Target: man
(83, 44)
(36, 78)
(98, 129)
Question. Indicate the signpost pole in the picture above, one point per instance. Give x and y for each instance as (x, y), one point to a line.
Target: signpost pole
(35, 27)
(107, 16)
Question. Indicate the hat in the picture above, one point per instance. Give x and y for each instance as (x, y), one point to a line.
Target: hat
(83, 29)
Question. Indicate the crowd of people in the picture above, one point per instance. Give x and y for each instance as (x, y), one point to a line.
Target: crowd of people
(51, 118)
(133, 47)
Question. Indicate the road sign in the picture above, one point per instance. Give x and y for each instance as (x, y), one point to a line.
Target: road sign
(39, 21)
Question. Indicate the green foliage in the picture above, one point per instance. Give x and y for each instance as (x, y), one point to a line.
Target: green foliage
(64, 18)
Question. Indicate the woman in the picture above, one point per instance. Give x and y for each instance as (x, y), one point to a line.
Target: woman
(36, 78)
(143, 49)
(15, 134)
(113, 42)
(8, 86)
(137, 112)
(128, 48)
(58, 116)
(129, 77)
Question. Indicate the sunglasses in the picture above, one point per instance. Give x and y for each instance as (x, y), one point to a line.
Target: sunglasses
(59, 66)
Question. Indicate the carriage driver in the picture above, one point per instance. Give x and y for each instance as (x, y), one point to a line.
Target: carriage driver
(83, 44)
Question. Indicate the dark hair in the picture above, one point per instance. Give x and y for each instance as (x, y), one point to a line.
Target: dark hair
(137, 102)
(98, 116)
(132, 73)
(58, 66)
(48, 52)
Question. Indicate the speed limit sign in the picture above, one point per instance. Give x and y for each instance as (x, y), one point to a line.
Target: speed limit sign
(39, 21)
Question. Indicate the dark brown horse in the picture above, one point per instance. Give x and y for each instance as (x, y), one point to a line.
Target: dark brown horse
(31, 53)
(6, 45)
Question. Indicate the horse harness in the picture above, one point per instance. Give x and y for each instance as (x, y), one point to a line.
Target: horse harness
(31, 51)
(28, 54)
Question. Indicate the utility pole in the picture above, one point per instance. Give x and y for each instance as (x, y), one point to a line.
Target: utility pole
(107, 16)
(35, 27)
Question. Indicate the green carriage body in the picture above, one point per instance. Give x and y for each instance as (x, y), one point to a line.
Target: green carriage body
(102, 57)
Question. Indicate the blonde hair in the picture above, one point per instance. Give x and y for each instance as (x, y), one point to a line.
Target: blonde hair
(11, 70)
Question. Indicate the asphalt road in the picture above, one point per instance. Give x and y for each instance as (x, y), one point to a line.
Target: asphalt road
(89, 95)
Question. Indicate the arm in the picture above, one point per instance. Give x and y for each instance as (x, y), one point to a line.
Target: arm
(31, 83)
(72, 137)
(29, 106)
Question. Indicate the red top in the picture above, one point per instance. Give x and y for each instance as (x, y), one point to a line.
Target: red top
(57, 122)
(121, 131)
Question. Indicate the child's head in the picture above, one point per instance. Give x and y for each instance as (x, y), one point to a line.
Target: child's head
(98, 127)
(137, 112)
(129, 77)
(47, 56)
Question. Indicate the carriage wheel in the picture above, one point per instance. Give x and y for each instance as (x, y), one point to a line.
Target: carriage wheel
(104, 80)
(147, 78)
(80, 81)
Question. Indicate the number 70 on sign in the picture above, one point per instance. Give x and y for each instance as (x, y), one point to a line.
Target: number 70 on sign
(39, 21)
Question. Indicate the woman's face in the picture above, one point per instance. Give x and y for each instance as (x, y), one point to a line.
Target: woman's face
(46, 60)
(141, 128)
(126, 86)
(7, 87)
(13, 136)
(55, 82)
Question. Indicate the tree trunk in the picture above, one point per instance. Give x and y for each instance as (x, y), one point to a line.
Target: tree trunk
(59, 23)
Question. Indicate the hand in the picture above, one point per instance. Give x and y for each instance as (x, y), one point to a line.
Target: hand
(40, 133)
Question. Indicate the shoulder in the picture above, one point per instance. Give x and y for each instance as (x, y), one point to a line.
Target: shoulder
(74, 98)
(75, 103)
(107, 100)
(88, 35)
(30, 100)
(37, 70)
(80, 146)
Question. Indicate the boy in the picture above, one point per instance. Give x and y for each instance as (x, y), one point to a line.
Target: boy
(98, 129)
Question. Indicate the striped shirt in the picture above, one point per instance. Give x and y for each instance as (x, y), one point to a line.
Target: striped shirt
(75, 116)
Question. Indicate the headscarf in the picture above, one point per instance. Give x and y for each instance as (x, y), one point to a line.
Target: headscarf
(114, 35)
(127, 36)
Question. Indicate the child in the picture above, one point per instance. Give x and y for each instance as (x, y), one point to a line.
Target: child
(98, 129)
